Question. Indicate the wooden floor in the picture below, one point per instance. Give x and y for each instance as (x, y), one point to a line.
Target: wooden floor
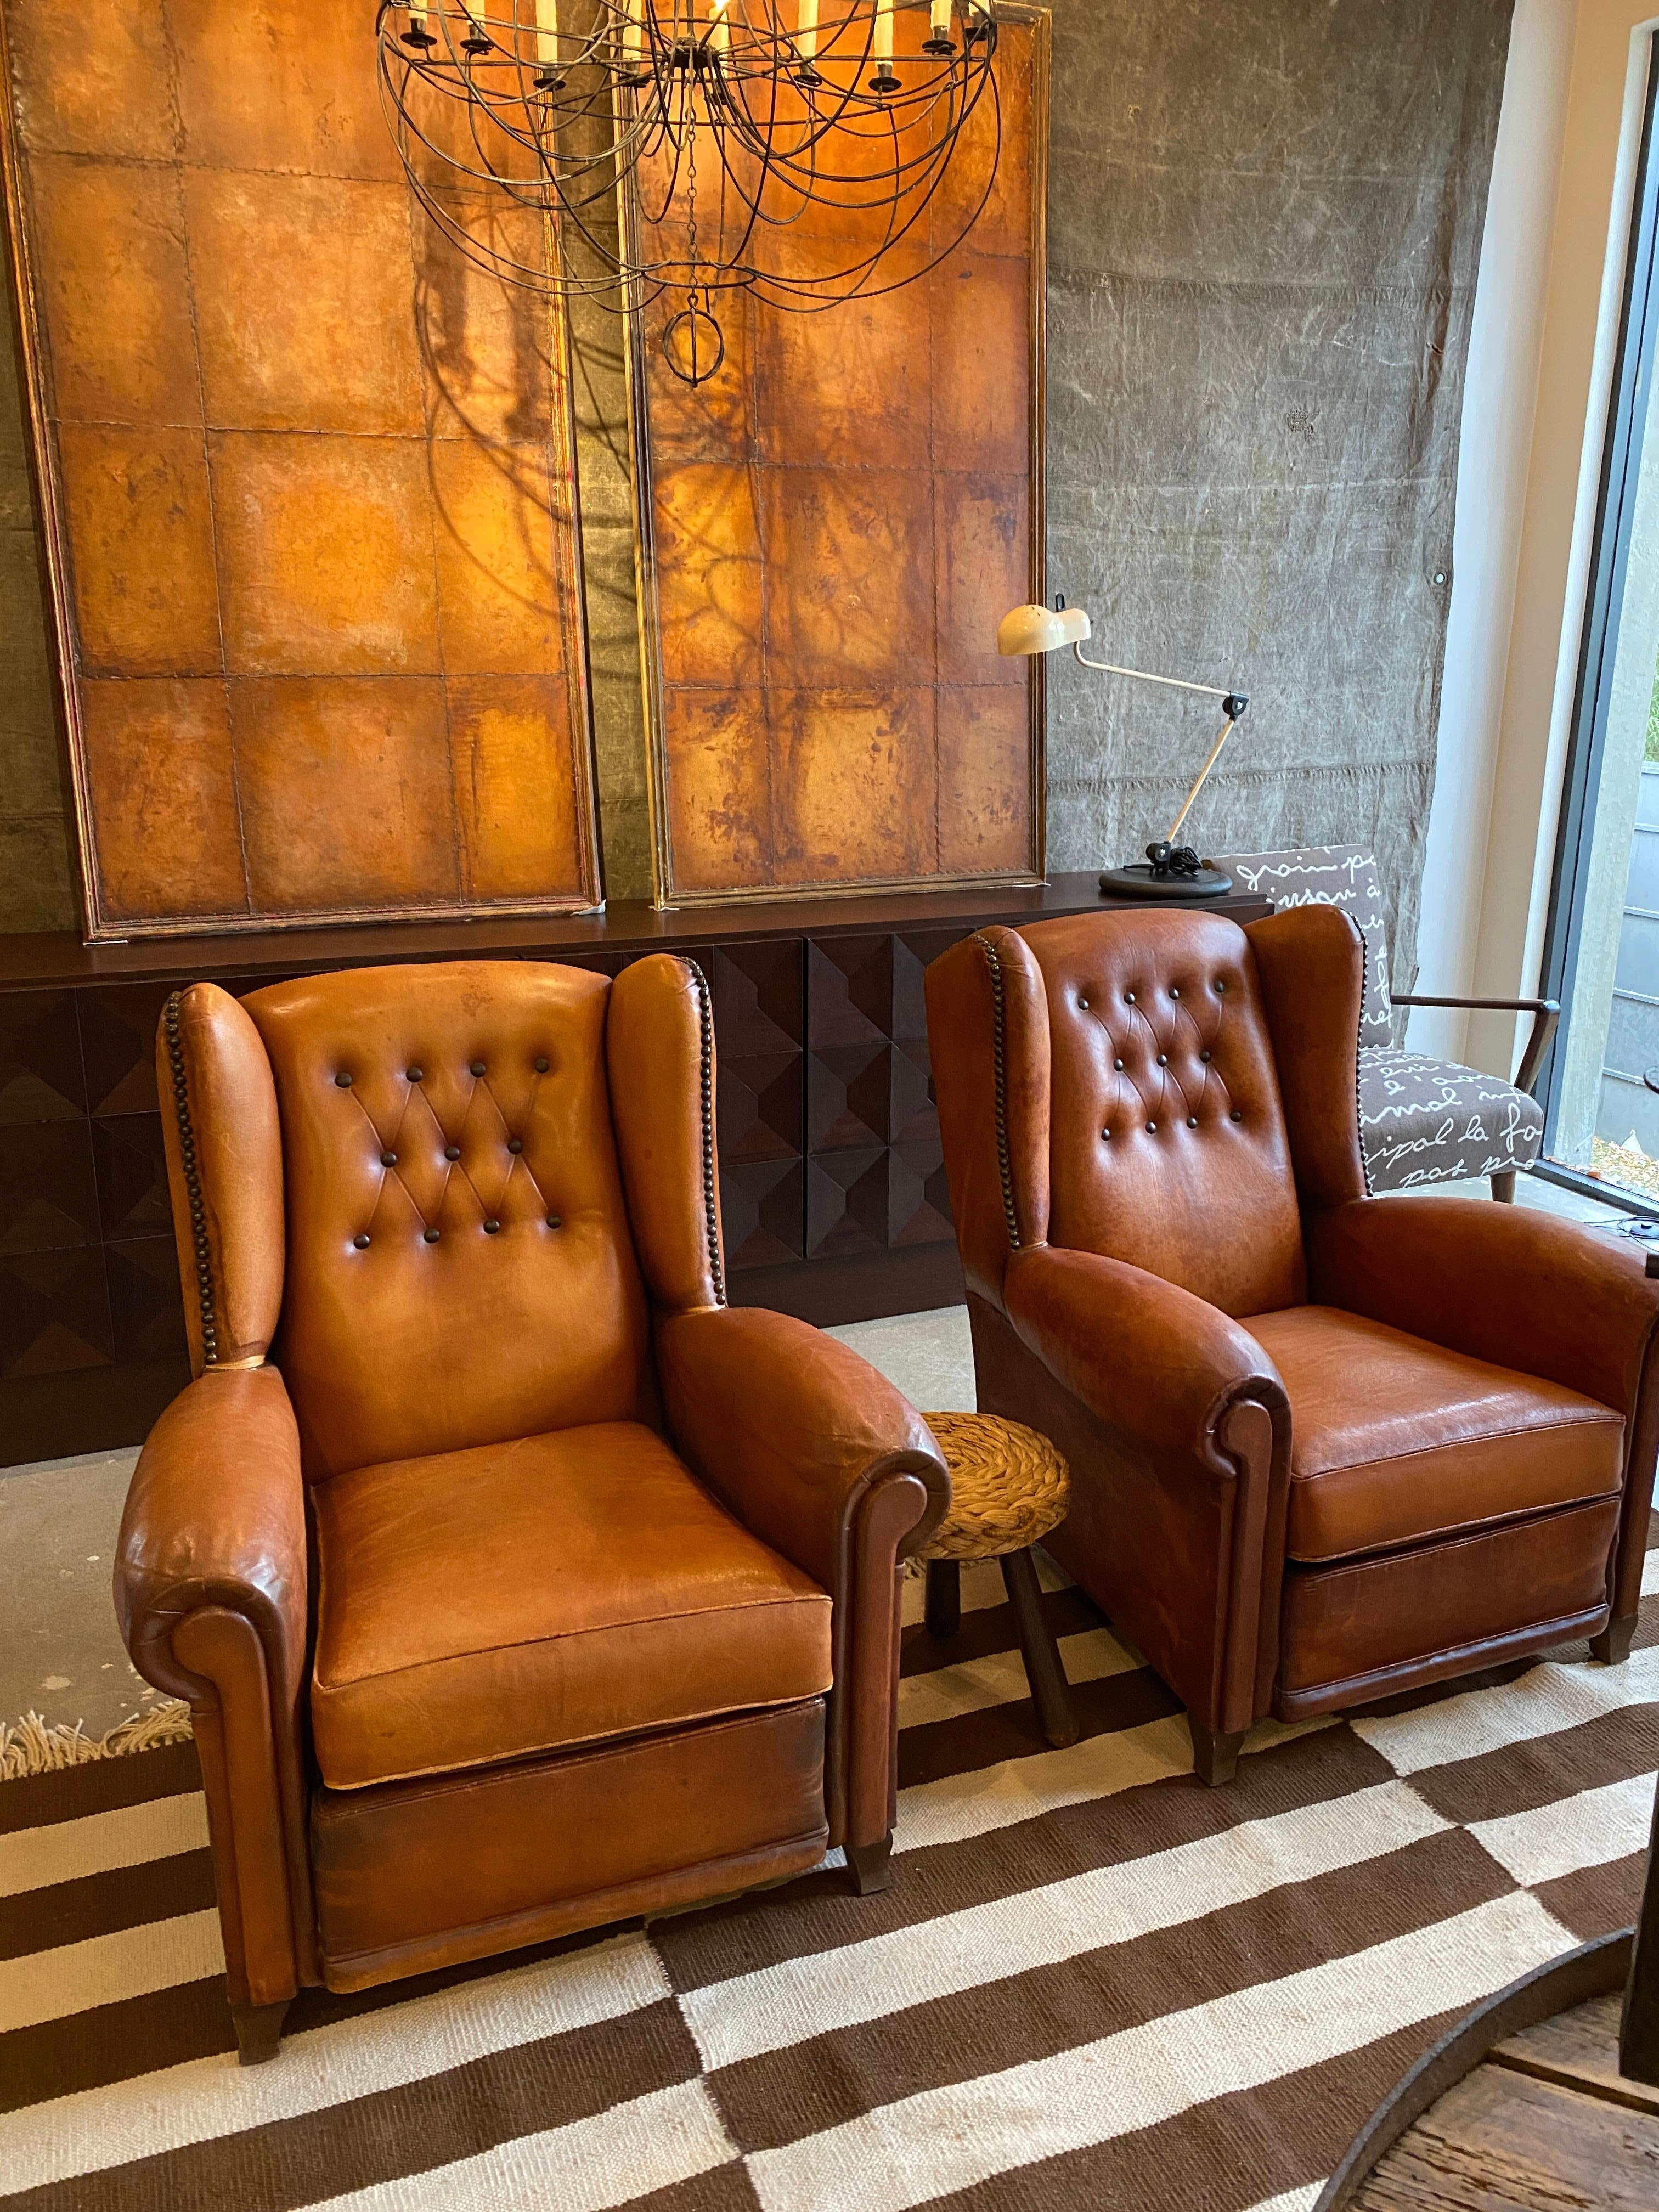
(1546, 2123)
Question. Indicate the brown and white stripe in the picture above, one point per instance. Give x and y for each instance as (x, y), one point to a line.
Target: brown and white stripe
(1093, 1981)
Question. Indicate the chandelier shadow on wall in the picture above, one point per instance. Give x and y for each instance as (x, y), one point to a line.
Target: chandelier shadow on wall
(736, 128)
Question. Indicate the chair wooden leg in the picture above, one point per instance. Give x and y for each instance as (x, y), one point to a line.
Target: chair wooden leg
(1503, 1188)
(258, 2031)
(1215, 1757)
(1612, 1646)
(943, 1614)
(1043, 1668)
(870, 1865)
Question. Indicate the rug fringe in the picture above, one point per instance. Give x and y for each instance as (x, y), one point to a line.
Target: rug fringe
(32, 1747)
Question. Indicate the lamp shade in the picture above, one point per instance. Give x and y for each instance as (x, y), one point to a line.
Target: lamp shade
(1041, 629)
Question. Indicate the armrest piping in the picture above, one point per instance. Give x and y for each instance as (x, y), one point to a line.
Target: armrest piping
(1000, 1059)
(711, 1211)
(198, 1229)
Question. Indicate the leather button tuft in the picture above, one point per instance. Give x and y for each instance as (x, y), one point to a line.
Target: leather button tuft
(344, 1082)
(541, 1067)
(1174, 992)
(1117, 1063)
(1164, 1060)
(1236, 1115)
(490, 1228)
(1191, 1120)
(1106, 1134)
(388, 1159)
(1129, 998)
(1083, 1003)
(1220, 986)
(414, 1074)
(1204, 1056)
(452, 1152)
(1152, 1128)
(431, 1237)
(515, 1143)
(554, 1221)
(478, 1068)
(360, 1241)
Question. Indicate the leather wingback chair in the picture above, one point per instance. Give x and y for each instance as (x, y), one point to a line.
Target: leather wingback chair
(517, 1583)
(1324, 1447)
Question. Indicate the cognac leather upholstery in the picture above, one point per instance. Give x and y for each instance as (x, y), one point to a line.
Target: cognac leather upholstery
(517, 1584)
(1323, 1446)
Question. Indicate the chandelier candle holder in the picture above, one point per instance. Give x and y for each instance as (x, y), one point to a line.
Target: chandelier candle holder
(731, 125)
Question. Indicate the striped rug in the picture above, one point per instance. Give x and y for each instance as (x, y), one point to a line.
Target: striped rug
(1094, 1982)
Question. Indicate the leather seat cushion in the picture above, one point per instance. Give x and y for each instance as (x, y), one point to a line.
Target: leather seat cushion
(1395, 1441)
(479, 1606)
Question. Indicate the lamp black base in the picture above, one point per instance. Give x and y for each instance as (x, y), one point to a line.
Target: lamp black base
(1139, 881)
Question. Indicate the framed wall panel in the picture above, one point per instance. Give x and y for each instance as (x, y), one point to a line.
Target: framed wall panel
(829, 529)
(307, 486)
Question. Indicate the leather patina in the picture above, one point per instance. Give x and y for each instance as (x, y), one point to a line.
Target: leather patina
(1323, 1446)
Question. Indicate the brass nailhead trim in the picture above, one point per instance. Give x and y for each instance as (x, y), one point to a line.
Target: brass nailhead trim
(711, 1216)
(198, 1233)
(999, 1053)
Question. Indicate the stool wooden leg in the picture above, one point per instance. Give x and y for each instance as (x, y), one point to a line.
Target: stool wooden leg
(1043, 1669)
(943, 1614)
(1215, 1757)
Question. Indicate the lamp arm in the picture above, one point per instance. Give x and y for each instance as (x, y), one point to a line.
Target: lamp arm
(1143, 676)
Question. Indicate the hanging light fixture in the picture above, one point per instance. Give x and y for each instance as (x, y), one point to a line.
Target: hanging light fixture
(734, 121)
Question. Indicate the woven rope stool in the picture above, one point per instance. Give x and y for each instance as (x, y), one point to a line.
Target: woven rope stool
(1009, 1487)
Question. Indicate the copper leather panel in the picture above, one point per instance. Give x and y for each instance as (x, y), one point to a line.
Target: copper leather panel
(1397, 1440)
(665, 1126)
(647, 1607)
(408, 1346)
(985, 1003)
(1194, 1182)
(487, 1861)
(378, 515)
(1310, 966)
(825, 564)
(236, 1150)
(1353, 1631)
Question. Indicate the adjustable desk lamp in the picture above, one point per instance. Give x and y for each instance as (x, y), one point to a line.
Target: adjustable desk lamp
(1170, 871)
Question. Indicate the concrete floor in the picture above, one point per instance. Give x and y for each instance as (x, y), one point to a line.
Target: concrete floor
(60, 1654)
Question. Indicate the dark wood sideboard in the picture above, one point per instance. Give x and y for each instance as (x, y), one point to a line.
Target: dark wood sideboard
(831, 1180)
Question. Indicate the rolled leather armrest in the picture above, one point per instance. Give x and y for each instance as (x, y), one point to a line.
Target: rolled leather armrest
(821, 1458)
(1159, 1366)
(1505, 1284)
(212, 1592)
(1178, 1428)
(794, 1430)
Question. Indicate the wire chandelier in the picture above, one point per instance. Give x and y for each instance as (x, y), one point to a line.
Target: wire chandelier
(735, 128)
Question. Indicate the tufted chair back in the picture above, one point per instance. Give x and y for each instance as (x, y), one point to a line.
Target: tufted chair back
(1161, 1088)
(405, 1184)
